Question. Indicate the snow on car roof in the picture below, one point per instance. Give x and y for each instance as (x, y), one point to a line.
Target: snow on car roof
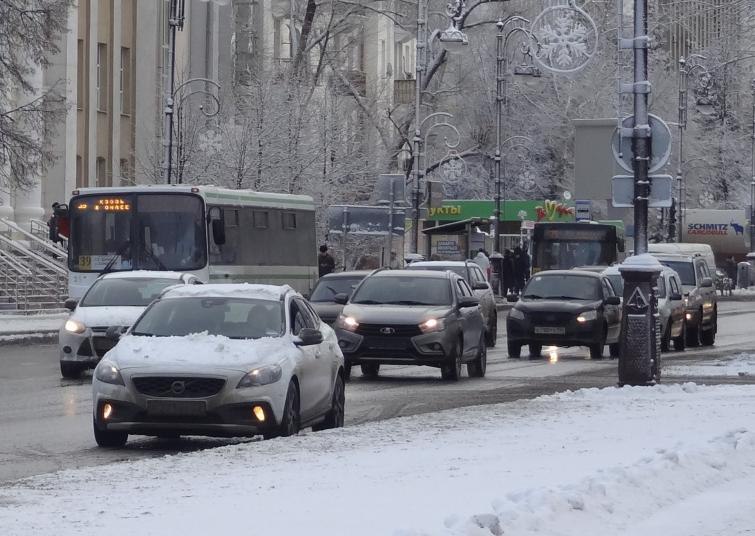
(439, 263)
(229, 290)
(143, 274)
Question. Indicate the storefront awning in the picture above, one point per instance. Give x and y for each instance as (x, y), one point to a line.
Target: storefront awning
(461, 226)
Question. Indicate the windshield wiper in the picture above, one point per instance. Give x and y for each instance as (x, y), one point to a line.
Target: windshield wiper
(532, 296)
(565, 298)
(118, 252)
(368, 302)
(408, 302)
(158, 262)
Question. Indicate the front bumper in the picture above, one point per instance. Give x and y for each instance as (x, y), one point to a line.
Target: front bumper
(433, 349)
(574, 333)
(84, 348)
(228, 413)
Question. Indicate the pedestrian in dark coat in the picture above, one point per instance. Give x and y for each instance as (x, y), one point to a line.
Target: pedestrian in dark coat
(521, 268)
(325, 261)
(507, 272)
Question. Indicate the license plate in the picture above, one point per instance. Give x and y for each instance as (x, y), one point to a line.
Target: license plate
(177, 408)
(386, 344)
(547, 330)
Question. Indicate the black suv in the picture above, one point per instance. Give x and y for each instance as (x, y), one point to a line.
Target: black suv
(565, 308)
(415, 317)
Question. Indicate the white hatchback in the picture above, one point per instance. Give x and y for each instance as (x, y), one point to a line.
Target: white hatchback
(220, 360)
(114, 299)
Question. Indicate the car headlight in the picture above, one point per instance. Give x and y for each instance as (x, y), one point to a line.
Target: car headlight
(431, 325)
(74, 326)
(587, 316)
(349, 323)
(261, 376)
(107, 372)
(686, 301)
(516, 314)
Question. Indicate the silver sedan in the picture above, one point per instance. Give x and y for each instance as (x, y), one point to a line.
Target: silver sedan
(220, 360)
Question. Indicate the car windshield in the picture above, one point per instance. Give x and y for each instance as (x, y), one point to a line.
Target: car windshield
(562, 287)
(328, 287)
(130, 292)
(617, 282)
(685, 270)
(404, 290)
(458, 270)
(236, 318)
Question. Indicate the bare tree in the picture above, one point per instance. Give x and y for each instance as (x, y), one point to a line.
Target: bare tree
(29, 32)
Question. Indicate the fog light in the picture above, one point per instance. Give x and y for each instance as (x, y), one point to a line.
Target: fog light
(107, 411)
(689, 316)
(67, 349)
(259, 413)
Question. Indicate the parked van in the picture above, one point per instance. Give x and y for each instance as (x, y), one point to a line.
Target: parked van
(687, 248)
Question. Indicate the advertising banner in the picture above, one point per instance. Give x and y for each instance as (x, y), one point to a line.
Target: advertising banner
(726, 231)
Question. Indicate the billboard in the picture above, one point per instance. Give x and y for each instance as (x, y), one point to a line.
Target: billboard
(726, 231)
(365, 220)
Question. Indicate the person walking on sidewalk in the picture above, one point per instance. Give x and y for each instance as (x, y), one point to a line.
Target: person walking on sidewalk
(325, 261)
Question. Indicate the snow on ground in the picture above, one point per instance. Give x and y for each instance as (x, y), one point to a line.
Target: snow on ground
(672, 460)
(30, 323)
(737, 365)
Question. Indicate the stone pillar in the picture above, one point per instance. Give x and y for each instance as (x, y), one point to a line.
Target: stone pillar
(640, 348)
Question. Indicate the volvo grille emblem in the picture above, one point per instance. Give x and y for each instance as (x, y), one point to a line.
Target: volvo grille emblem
(387, 331)
(178, 387)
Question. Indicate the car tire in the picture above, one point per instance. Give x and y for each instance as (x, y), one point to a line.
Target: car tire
(451, 370)
(370, 370)
(693, 333)
(107, 439)
(708, 337)
(72, 371)
(346, 372)
(535, 350)
(514, 349)
(491, 334)
(291, 420)
(666, 338)
(614, 350)
(335, 417)
(680, 342)
(479, 365)
(596, 350)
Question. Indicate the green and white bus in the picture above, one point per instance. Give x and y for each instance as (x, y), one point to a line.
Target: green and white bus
(221, 235)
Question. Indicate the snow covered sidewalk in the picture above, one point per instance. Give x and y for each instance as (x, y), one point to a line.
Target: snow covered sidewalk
(671, 460)
(18, 328)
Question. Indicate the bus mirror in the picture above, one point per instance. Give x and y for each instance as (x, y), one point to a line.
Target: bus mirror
(620, 245)
(218, 232)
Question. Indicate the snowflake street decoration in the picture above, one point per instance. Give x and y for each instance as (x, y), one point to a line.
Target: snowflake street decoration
(453, 170)
(527, 181)
(706, 199)
(210, 141)
(566, 38)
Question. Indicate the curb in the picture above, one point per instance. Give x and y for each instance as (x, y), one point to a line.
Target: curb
(28, 337)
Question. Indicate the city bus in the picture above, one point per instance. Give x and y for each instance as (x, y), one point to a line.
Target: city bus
(221, 235)
(565, 245)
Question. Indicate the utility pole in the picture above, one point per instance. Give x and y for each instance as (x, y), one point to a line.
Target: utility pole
(752, 175)
(175, 22)
(639, 349)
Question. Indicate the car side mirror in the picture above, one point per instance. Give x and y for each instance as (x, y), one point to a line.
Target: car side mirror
(114, 333)
(71, 304)
(612, 300)
(308, 337)
(674, 296)
(480, 285)
(468, 301)
(341, 298)
(706, 282)
(512, 298)
(305, 295)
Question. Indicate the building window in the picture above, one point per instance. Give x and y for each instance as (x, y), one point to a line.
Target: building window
(125, 81)
(289, 220)
(126, 177)
(260, 219)
(101, 77)
(80, 73)
(101, 175)
(283, 39)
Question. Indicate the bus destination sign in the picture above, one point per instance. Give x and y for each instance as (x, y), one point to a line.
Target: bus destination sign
(105, 204)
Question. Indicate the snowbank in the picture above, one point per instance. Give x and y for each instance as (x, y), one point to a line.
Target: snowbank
(670, 460)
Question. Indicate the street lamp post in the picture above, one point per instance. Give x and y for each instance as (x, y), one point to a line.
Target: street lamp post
(502, 41)
(453, 36)
(213, 111)
(686, 67)
(752, 174)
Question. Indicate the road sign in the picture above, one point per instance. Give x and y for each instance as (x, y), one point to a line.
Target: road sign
(660, 149)
(583, 210)
(528, 225)
(661, 191)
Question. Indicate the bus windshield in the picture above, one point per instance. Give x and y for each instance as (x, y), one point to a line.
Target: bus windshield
(564, 246)
(137, 232)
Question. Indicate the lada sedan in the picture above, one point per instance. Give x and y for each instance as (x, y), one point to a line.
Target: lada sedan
(220, 360)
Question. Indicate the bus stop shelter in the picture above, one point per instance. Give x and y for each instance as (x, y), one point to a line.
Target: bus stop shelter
(457, 240)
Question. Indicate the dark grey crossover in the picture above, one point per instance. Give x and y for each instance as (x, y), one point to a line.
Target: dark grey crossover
(413, 317)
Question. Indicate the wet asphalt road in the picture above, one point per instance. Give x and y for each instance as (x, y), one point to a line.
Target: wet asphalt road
(45, 421)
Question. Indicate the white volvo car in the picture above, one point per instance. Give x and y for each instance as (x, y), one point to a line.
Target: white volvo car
(220, 360)
(114, 299)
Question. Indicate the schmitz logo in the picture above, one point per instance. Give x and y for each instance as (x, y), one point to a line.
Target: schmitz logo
(708, 228)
